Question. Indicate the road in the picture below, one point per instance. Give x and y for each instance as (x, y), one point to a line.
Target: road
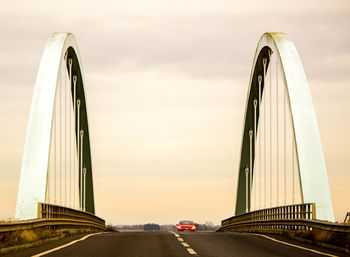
(168, 244)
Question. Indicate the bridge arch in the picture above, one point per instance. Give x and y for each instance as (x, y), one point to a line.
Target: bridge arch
(309, 154)
(61, 52)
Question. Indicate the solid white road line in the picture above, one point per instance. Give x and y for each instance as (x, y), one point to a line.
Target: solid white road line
(63, 246)
(191, 251)
(297, 246)
(185, 244)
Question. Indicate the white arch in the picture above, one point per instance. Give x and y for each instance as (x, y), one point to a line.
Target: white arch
(34, 170)
(312, 168)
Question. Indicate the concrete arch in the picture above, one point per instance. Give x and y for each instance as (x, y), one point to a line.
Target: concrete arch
(34, 170)
(310, 159)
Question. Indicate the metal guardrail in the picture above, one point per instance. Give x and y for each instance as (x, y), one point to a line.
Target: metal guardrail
(292, 220)
(48, 224)
(52, 221)
(297, 225)
(51, 211)
(22, 234)
(336, 234)
(56, 217)
(306, 211)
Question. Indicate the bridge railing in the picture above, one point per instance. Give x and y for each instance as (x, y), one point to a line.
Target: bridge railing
(52, 222)
(51, 211)
(271, 218)
(297, 211)
(295, 221)
(18, 226)
(22, 234)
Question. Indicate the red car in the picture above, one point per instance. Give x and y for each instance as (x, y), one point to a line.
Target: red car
(186, 225)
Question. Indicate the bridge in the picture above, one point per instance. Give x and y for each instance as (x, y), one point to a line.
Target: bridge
(282, 186)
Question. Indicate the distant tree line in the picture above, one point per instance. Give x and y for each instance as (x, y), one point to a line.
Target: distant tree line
(129, 227)
(208, 226)
(151, 227)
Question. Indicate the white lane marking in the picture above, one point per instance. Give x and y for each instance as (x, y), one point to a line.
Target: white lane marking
(175, 234)
(297, 246)
(186, 245)
(191, 251)
(63, 246)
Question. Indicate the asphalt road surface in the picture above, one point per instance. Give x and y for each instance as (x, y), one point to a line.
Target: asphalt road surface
(167, 244)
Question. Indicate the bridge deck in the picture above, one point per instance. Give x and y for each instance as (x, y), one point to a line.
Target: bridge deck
(155, 244)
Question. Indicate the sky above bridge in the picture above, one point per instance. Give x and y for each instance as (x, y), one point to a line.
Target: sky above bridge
(166, 85)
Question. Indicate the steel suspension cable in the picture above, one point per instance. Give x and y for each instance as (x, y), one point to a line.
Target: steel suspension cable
(65, 134)
(277, 141)
(84, 195)
(81, 167)
(250, 165)
(246, 189)
(265, 148)
(78, 137)
(270, 78)
(47, 195)
(285, 144)
(70, 131)
(54, 150)
(75, 149)
(255, 102)
(60, 138)
(259, 80)
(293, 172)
(293, 155)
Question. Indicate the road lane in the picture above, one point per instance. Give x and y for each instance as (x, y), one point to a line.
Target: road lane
(171, 244)
(136, 244)
(212, 244)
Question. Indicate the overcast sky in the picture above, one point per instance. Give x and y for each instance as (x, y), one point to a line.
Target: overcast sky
(166, 84)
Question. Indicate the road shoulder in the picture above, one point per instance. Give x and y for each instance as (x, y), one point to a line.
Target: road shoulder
(36, 249)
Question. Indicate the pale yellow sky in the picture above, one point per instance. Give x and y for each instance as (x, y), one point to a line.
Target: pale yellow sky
(166, 86)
